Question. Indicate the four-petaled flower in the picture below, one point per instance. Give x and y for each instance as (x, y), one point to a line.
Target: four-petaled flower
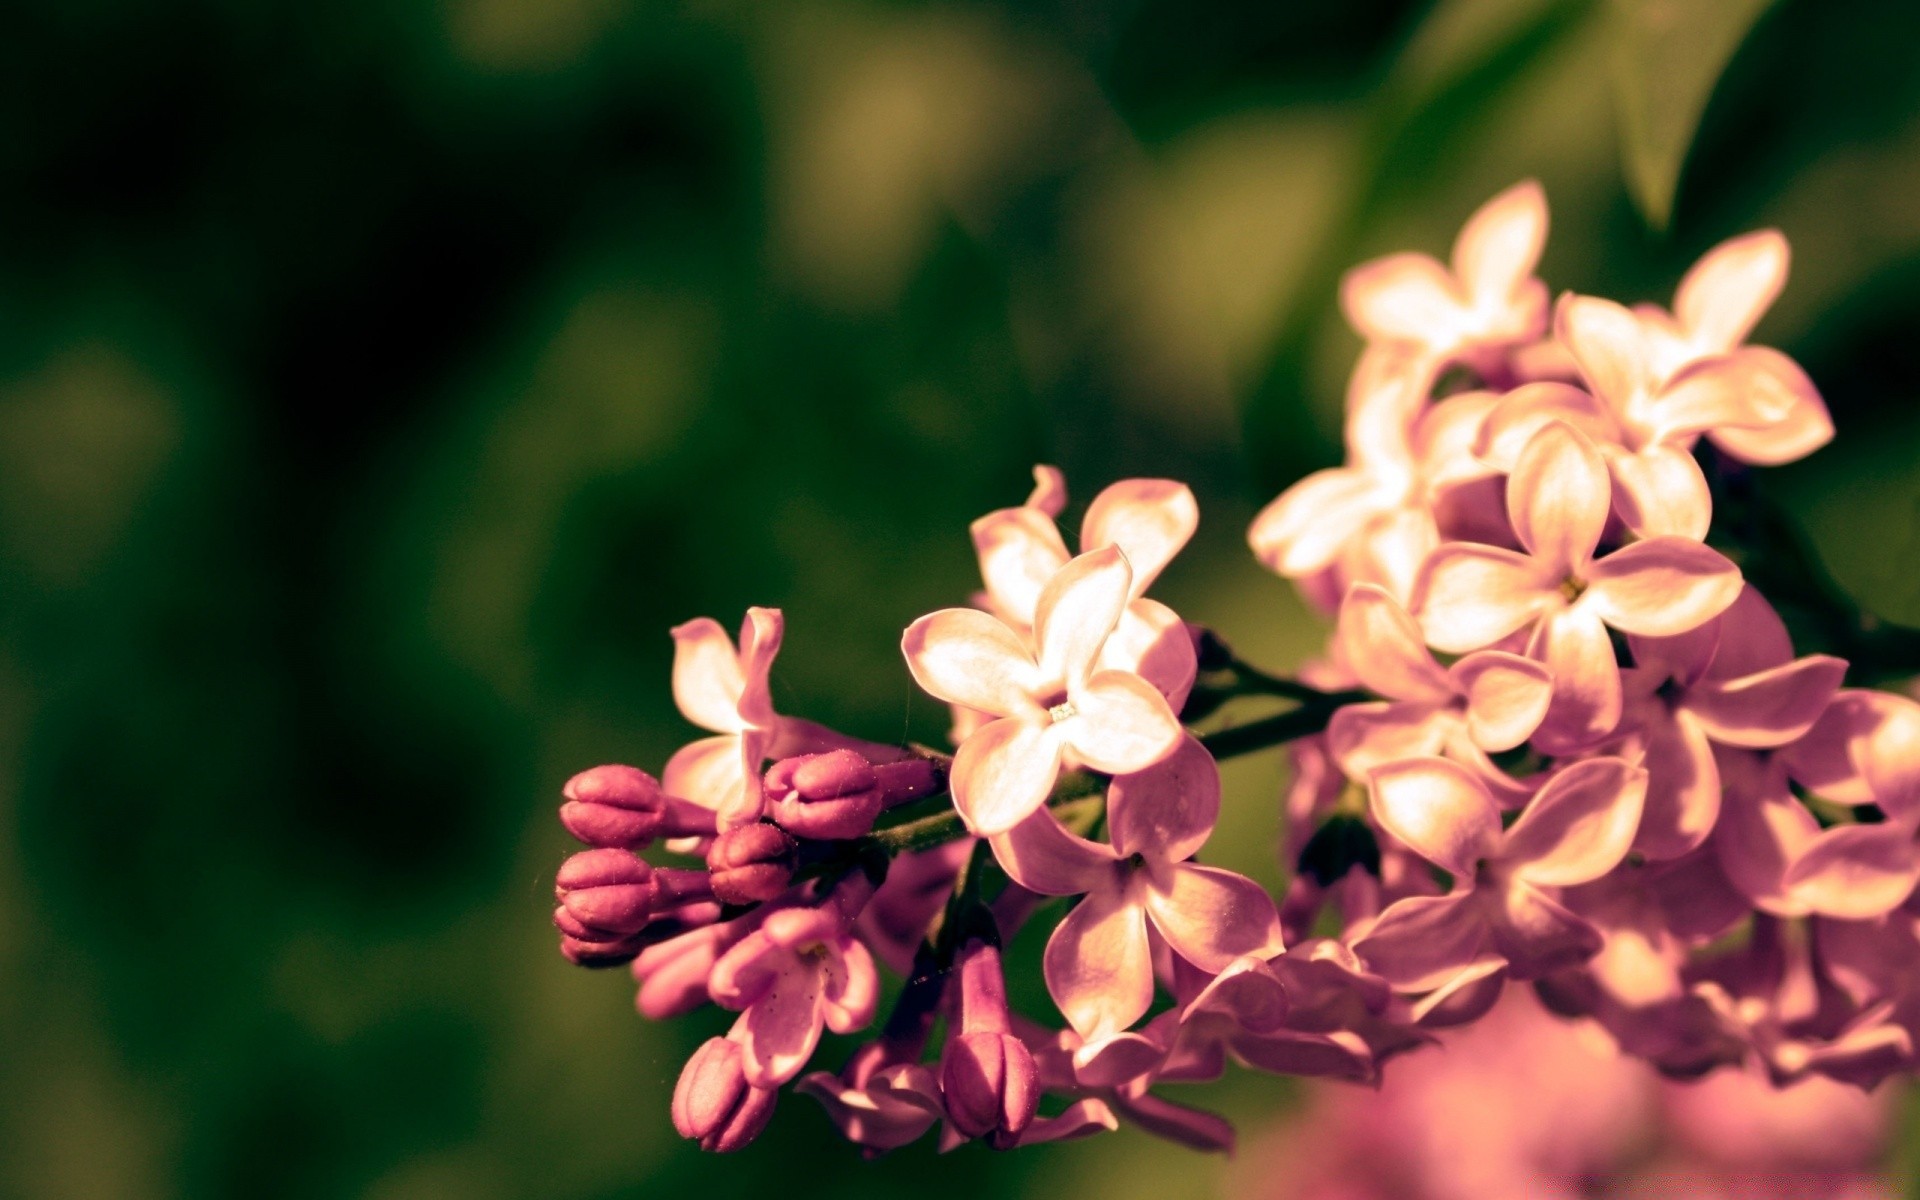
(1576, 829)
(1099, 962)
(1558, 498)
(1049, 696)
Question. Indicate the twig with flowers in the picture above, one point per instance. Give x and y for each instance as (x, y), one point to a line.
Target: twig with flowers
(1558, 736)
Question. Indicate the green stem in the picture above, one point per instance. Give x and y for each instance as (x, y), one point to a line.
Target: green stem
(1268, 732)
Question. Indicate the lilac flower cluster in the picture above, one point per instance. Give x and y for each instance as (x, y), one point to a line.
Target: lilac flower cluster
(1556, 737)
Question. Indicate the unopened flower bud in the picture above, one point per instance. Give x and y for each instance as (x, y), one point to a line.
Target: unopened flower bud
(713, 1103)
(988, 1080)
(986, 1073)
(604, 892)
(751, 864)
(588, 952)
(623, 807)
(826, 796)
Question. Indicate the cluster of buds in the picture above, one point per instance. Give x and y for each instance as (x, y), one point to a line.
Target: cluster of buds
(1556, 738)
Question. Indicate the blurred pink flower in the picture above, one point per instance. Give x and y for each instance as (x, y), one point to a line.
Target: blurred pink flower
(1488, 301)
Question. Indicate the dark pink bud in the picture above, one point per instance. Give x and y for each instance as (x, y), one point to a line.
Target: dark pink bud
(751, 864)
(605, 892)
(588, 952)
(988, 1080)
(986, 1072)
(825, 796)
(613, 806)
(623, 807)
(713, 1103)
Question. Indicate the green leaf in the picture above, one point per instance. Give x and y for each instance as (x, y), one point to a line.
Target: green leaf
(1667, 55)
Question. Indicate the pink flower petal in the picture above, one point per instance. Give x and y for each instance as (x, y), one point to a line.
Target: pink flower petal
(782, 1029)
(712, 772)
(1120, 723)
(1306, 1055)
(1751, 638)
(1724, 295)
(1831, 759)
(1421, 942)
(1020, 550)
(1558, 498)
(1097, 966)
(1587, 698)
(1439, 810)
(967, 657)
(1607, 343)
(1661, 490)
(707, 682)
(1307, 526)
(1210, 916)
(1770, 708)
(1500, 245)
(1506, 696)
(1385, 650)
(1149, 519)
(1403, 298)
(896, 1107)
(1003, 773)
(1529, 408)
(1077, 610)
(1151, 641)
(1856, 872)
(760, 635)
(1082, 1118)
(1363, 737)
(1803, 426)
(1049, 493)
(1169, 809)
(1247, 993)
(1761, 832)
(1660, 587)
(1470, 596)
(1683, 789)
(1041, 856)
(1537, 935)
(1579, 826)
(852, 989)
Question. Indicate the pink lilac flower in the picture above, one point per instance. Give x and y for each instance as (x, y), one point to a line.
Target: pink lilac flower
(1645, 421)
(1150, 520)
(1716, 306)
(1487, 702)
(724, 689)
(1488, 302)
(1504, 900)
(1471, 596)
(1864, 751)
(1099, 963)
(800, 972)
(1732, 682)
(1368, 520)
(1050, 700)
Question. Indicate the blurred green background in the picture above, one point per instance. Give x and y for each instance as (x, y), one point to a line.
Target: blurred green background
(380, 379)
